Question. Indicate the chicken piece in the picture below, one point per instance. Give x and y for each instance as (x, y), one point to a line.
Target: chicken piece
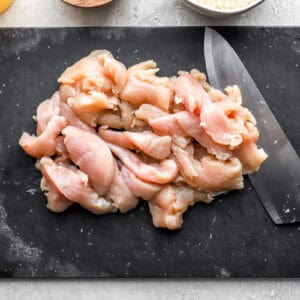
(67, 91)
(111, 119)
(144, 87)
(120, 194)
(62, 154)
(201, 78)
(209, 174)
(181, 125)
(158, 147)
(87, 106)
(216, 95)
(57, 202)
(196, 100)
(87, 74)
(167, 125)
(45, 143)
(147, 112)
(169, 204)
(190, 124)
(91, 154)
(114, 70)
(189, 92)
(161, 173)
(218, 126)
(88, 71)
(74, 185)
(93, 102)
(72, 119)
(250, 156)
(45, 111)
(128, 118)
(138, 187)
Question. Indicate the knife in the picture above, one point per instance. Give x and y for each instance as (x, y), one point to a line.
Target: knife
(277, 183)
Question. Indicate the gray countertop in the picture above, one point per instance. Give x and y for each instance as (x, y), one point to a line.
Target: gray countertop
(146, 13)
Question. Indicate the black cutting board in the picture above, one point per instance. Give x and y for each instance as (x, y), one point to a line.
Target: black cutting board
(232, 237)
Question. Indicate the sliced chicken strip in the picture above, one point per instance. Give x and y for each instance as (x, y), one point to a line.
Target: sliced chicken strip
(128, 118)
(167, 125)
(191, 125)
(189, 92)
(197, 101)
(73, 184)
(114, 70)
(158, 147)
(208, 173)
(72, 119)
(161, 173)
(93, 102)
(67, 91)
(147, 112)
(92, 155)
(120, 194)
(111, 119)
(138, 187)
(87, 106)
(57, 202)
(44, 144)
(88, 73)
(144, 87)
(45, 111)
(218, 126)
(62, 154)
(250, 156)
(168, 206)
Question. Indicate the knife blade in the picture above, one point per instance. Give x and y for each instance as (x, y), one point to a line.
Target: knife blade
(277, 183)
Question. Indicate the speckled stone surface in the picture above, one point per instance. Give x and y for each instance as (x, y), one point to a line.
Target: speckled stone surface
(146, 13)
(142, 13)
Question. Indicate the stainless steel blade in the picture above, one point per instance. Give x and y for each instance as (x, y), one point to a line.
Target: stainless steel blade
(277, 183)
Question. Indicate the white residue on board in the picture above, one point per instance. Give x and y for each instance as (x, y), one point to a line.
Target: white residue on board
(18, 250)
(31, 191)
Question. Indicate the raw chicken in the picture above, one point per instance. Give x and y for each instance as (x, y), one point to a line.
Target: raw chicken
(143, 189)
(72, 119)
(209, 173)
(87, 106)
(45, 111)
(67, 91)
(169, 141)
(161, 173)
(167, 125)
(114, 70)
(120, 194)
(45, 143)
(158, 147)
(110, 119)
(57, 202)
(189, 92)
(190, 125)
(73, 185)
(170, 203)
(144, 87)
(88, 74)
(147, 112)
(92, 155)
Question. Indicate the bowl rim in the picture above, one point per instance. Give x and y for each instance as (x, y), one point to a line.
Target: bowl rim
(225, 12)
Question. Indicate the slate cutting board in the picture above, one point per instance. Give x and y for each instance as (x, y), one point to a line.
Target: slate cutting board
(232, 237)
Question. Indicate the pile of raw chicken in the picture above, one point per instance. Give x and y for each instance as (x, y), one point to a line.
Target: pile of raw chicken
(111, 136)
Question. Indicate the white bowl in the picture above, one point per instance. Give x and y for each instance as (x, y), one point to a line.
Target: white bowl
(217, 13)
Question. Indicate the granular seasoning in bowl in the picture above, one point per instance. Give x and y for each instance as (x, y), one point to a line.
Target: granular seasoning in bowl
(226, 4)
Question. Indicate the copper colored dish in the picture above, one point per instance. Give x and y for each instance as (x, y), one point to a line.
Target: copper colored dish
(87, 3)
